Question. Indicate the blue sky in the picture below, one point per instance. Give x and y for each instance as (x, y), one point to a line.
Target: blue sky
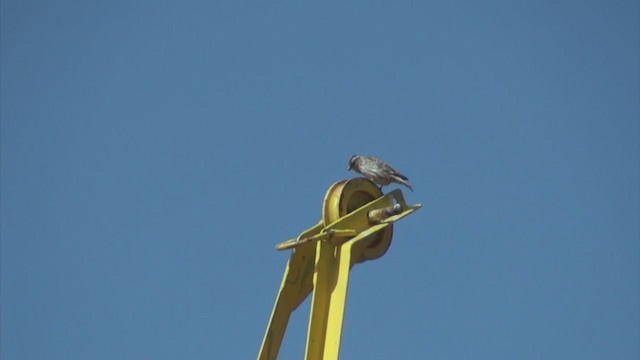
(153, 153)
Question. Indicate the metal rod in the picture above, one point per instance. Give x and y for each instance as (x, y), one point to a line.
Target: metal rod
(378, 215)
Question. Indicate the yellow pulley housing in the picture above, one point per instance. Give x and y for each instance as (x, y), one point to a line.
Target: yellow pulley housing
(356, 226)
(346, 196)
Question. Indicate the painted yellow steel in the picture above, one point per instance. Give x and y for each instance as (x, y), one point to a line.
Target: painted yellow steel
(321, 259)
(297, 284)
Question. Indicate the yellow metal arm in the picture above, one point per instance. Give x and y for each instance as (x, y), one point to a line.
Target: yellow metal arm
(297, 284)
(356, 226)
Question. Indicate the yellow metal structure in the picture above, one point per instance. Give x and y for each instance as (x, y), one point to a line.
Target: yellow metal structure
(356, 226)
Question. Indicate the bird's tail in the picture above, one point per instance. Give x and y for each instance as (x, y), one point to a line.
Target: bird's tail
(403, 180)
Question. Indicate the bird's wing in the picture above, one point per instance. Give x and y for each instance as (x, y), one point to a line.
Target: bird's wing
(393, 171)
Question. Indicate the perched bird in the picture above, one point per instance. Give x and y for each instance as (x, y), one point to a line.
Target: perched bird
(377, 170)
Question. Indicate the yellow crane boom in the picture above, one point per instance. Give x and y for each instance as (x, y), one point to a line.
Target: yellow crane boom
(356, 226)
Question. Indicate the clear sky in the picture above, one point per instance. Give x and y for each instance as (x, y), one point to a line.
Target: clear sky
(154, 152)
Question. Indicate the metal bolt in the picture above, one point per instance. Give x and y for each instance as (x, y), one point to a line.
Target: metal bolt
(379, 215)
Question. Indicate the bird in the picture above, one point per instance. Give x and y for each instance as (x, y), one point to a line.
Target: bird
(377, 170)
